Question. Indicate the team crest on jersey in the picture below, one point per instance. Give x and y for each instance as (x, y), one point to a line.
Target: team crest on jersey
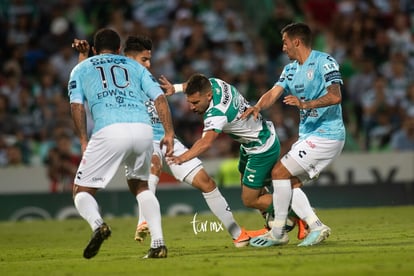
(309, 74)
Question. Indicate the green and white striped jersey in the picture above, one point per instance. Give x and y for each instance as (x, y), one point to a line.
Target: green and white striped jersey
(223, 115)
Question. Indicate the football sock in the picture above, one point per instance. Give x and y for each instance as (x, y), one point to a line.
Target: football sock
(88, 209)
(219, 207)
(300, 204)
(152, 185)
(282, 196)
(302, 208)
(150, 207)
(153, 182)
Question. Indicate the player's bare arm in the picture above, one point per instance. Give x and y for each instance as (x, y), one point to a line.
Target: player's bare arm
(264, 102)
(169, 88)
(79, 119)
(82, 46)
(331, 98)
(163, 110)
(199, 147)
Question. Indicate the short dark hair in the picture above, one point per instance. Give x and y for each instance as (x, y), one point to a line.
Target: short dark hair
(137, 44)
(299, 30)
(106, 39)
(197, 83)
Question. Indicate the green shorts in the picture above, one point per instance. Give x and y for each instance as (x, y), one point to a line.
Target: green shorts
(256, 168)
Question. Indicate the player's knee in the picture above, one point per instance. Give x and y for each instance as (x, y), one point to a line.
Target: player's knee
(156, 170)
(203, 182)
(211, 184)
(136, 186)
(296, 183)
(280, 172)
(206, 185)
(156, 165)
(249, 202)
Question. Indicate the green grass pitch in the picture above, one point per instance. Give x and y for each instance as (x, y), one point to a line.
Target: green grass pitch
(364, 241)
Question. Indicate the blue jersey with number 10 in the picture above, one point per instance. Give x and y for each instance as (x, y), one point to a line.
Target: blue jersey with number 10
(115, 88)
(309, 81)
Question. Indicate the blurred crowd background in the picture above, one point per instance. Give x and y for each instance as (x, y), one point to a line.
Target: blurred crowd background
(237, 41)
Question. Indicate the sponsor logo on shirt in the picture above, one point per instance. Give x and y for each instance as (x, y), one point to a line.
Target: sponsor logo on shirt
(226, 95)
(310, 144)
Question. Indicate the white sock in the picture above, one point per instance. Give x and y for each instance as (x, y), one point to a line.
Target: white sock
(152, 185)
(150, 207)
(88, 208)
(302, 208)
(300, 204)
(153, 182)
(219, 207)
(282, 196)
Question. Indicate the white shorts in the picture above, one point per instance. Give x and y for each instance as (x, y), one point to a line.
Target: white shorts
(307, 158)
(180, 172)
(123, 143)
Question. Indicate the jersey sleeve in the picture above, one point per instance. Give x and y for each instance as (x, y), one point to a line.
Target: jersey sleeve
(75, 91)
(150, 85)
(329, 69)
(283, 79)
(214, 120)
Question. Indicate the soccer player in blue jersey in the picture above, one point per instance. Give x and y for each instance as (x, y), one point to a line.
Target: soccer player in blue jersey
(191, 172)
(115, 88)
(312, 83)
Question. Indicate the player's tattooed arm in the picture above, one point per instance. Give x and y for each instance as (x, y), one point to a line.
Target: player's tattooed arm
(163, 110)
(79, 119)
(331, 98)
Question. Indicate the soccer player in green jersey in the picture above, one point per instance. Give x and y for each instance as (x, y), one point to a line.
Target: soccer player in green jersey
(221, 106)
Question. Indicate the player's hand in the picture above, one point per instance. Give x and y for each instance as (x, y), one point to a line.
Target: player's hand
(294, 101)
(168, 141)
(166, 85)
(81, 45)
(253, 110)
(174, 160)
